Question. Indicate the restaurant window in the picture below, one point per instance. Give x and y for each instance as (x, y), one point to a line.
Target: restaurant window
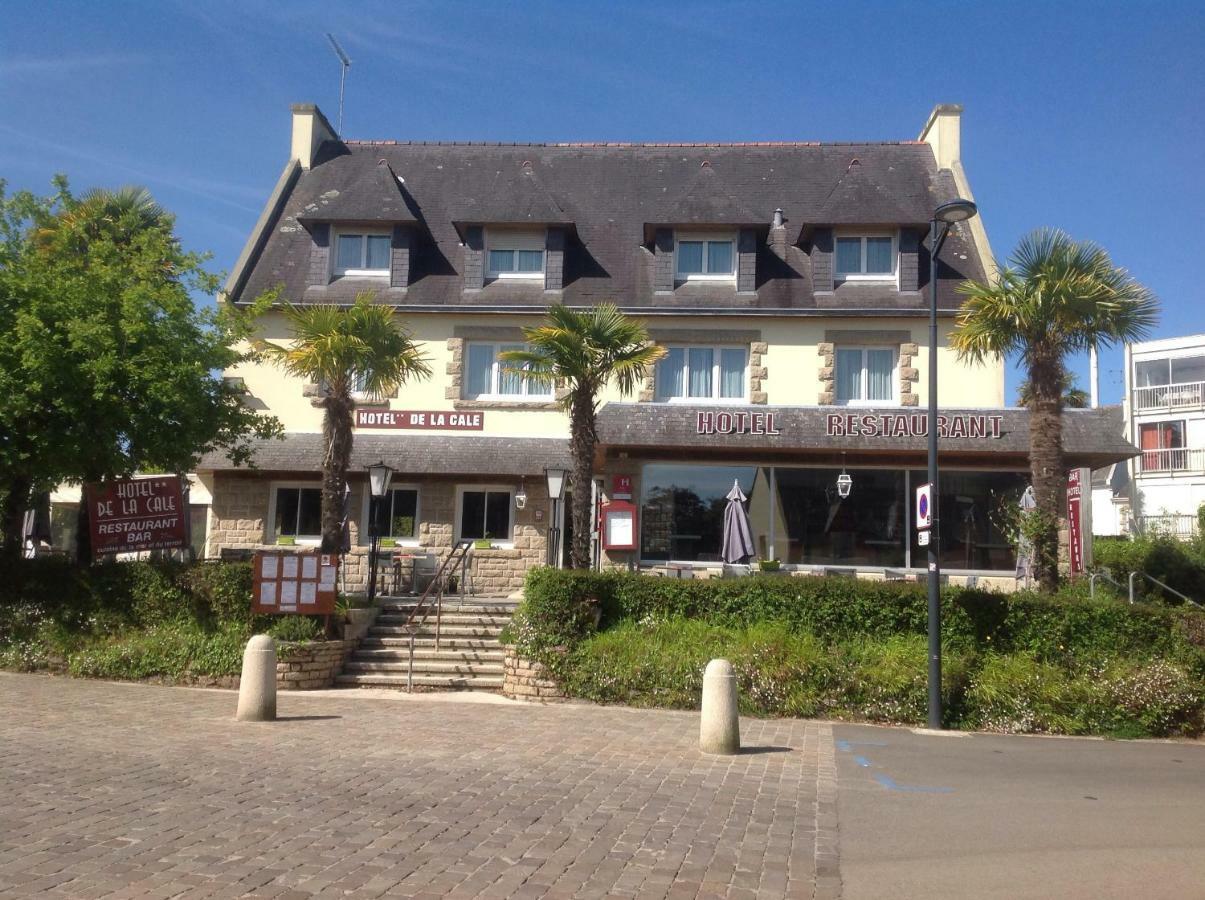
(865, 257)
(705, 257)
(865, 376)
(298, 512)
(485, 514)
(397, 514)
(515, 254)
(1163, 448)
(362, 253)
(974, 507)
(682, 509)
(817, 526)
(702, 373)
(487, 377)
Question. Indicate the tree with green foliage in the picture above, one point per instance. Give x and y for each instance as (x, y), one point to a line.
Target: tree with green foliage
(107, 367)
(1074, 397)
(584, 350)
(361, 348)
(1057, 297)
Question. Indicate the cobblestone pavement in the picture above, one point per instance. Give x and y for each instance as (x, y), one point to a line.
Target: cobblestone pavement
(110, 790)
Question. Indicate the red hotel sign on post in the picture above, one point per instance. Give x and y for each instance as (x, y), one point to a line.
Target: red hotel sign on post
(1074, 531)
(132, 514)
(422, 420)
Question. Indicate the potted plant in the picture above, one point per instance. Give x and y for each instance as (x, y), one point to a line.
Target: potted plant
(286, 541)
(482, 544)
(356, 614)
(388, 542)
(769, 565)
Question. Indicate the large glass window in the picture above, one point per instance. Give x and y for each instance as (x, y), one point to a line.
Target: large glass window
(362, 254)
(865, 256)
(682, 515)
(702, 373)
(865, 375)
(701, 256)
(1163, 446)
(822, 528)
(485, 514)
(487, 376)
(973, 506)
(298, 512)
(397, 514)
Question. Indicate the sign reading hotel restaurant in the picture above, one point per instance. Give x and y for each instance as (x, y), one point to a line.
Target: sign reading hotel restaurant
(1074, 531)
(740, 422)
(890, 425)
(424, 420)
(132, 514)
(294, 583)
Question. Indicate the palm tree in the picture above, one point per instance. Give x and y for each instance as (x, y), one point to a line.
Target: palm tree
(1057, 297)
(1074, 397)
(583, 350)
(131, 209)
(362, 348)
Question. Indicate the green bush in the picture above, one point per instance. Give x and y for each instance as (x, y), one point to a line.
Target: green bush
(171, 650)
(295, 628)
(1180, 564)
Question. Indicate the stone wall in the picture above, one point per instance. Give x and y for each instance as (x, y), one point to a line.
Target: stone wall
(523, 679)
(310, 666)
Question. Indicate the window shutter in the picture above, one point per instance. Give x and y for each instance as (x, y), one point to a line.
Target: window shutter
(746, 261)
(399, 257)
(663, 260)
(320, 255)
(822, 260)
(554, 259)
(474, 258)
(909, 260)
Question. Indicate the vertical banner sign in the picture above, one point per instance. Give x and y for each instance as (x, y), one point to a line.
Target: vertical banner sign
(132, 514)
(294, 583)
(1074, 532)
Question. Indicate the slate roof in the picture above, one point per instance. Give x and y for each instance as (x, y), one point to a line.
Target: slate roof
(355, 195)
(610, 192)
(415, 454)
(1091, 437)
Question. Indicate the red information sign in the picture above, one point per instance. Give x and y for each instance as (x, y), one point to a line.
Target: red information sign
(621, 487)
(132, 514)
(294, 583)
(1074, 531)
(421, 420)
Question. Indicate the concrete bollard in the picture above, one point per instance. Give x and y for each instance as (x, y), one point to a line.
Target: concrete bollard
(719, 729)
(257, 686)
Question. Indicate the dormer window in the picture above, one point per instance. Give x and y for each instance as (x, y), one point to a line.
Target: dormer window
(705, 257)
(866, 257)
(362, 253)
(515, 254)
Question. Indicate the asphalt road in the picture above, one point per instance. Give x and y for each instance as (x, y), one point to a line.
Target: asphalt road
(1014, 816)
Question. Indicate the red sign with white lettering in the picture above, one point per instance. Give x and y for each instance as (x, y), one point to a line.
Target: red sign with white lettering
(1074, 532)
(421, 420)
(132, 514)
(621, 487)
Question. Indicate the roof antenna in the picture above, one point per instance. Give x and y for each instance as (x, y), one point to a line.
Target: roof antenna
(346, 64)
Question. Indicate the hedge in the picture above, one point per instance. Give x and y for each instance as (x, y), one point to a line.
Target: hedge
(1180, 564)
(850, 648)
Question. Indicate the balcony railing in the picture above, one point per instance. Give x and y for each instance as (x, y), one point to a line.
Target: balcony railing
(1182, 526)
(1188, 395)
(1175, 459)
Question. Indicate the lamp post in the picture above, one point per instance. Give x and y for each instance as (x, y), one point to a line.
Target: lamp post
(555, 479)
(379, 477)
(957, 210)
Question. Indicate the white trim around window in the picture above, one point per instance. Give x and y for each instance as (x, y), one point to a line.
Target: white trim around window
(274, 488)
(375, 252)
(703, 373)
(418, 513)
(704, 257)
(514, 254)
(868, 241)
(494, 382)
(871, 386)
(506, 543)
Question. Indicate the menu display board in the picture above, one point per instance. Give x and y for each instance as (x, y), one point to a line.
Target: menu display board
(294, 583)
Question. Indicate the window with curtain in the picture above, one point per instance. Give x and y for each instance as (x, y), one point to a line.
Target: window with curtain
(865, 257)
(486, 376)
(1162, 446)
(362, 254)
(485, 514)
(515, 254)
(702, 373)
(705, 256)
(864, 375)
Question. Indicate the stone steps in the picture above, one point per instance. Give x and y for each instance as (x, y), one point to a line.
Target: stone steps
(401, 641)
(425, 667)
(425, 682)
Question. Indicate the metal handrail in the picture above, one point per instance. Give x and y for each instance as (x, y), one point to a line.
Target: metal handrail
(1166, 587)
(1092, 576)
(437, 586)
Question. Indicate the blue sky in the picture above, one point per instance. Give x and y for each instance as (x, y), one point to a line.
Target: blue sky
(1085, 116)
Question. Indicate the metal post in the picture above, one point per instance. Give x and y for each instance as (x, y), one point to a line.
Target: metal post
(935, 528)
(410, 669)
(372, 550)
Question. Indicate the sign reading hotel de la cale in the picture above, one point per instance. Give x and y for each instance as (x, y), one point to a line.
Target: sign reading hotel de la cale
(878, 424)
(131, 514)
(422, 420)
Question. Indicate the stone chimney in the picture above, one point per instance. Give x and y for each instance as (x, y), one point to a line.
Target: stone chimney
(310, 129)
(777, 238)
(943, 133)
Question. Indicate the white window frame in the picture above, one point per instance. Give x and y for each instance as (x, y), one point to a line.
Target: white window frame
(509, 239)
(705, 236)
(527, 390)
(509, 489)
(863, 275)
(365, 506)
(865, 380)
(362, 271)
(715, 375)
(303, 540)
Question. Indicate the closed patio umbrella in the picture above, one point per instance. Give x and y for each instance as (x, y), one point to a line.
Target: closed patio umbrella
(737, 543)
(1024, 549)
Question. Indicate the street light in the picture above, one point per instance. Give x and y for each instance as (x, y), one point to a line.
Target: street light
(957, 210)
(555, 479)
(379, 477)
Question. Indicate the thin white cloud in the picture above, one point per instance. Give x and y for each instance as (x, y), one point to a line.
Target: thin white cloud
(50, 65)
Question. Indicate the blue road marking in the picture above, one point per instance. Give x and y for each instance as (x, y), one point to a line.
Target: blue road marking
(862, 761)
(845, 746)
(888, 782)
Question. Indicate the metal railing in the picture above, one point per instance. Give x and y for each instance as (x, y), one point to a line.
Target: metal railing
(437, 587)
(1172, 459)
(1177, 525)
(1170, 396)
(1166, 587)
